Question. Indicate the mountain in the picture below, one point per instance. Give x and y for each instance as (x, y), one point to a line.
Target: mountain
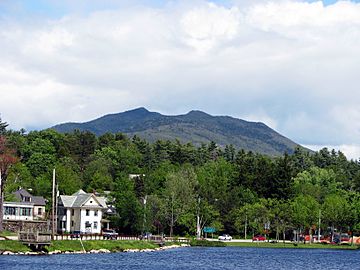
(196, 127)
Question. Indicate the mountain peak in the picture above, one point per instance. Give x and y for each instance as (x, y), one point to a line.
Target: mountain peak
(196, 126)
(197, 114)
(139, 110)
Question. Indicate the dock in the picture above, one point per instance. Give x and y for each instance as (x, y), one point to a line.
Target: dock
(35, 240)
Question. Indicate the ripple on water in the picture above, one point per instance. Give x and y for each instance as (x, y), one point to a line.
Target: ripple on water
(192, 258)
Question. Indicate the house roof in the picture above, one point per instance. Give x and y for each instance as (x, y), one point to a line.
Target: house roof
(36, 200)
(79, 198)
(19, 194)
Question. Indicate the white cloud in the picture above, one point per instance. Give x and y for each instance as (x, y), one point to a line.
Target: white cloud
(206, 26)
(350, 151)
(290, 64)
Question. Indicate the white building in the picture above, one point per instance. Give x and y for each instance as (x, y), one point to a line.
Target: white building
(80, 212)
(25, 208)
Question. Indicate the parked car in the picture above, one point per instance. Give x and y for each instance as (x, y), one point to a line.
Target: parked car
(75, 234)
(225, 237)
(259, 238)
(110, 234)
(344, 238)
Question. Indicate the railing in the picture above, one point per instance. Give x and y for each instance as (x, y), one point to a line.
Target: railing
(177, 239)
(88, 236)
(34, 237)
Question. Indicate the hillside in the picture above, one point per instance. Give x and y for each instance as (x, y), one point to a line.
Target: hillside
(196, 127)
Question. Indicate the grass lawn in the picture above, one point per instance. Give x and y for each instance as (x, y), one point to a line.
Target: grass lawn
(289, 245)
(7, 233)
(13, 246)
(112, 245)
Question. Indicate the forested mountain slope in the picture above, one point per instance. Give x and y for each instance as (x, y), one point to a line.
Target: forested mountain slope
(196, 127)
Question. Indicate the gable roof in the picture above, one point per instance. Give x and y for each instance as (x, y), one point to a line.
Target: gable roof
(19, 194)
(79, 198)
(36, 200)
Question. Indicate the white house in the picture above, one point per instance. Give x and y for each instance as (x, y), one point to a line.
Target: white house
(80, 212)
(25, 208)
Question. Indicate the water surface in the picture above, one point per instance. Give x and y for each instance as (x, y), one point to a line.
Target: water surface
(192, 258)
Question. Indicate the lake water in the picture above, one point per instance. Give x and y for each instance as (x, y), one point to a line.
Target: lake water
(192, 258)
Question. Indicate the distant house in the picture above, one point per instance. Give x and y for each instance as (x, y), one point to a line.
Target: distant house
(25, 208)
(80, 212)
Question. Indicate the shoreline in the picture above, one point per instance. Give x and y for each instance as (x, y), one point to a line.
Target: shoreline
(92, 251)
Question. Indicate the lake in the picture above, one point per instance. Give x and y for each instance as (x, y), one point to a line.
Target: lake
(192, 258)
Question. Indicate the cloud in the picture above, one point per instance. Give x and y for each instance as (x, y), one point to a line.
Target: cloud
(349, 150)
(291, 64)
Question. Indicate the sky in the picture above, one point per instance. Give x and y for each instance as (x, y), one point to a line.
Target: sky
(291, 64)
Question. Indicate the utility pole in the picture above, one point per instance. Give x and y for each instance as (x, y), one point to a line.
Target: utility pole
(53, 207)
(245, 231)
(144, 219)
(319, 234)
(198, 225)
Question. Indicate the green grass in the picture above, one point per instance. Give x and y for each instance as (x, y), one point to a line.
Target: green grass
(13, 246)
(204, 243)
(75, 245)
(7, 233)
(289, 245)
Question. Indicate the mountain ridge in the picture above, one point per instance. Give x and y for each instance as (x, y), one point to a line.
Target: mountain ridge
(195, 126)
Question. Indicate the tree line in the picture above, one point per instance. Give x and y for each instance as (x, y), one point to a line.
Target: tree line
(174, 185)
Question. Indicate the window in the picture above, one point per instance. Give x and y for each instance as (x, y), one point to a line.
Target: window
(87, 212)
(72, 212)
(96, 213)
(95, 224)
(87, 224)
(26, 199)
(10, 211)
(72, 223)
(39, 211)
(25, 211)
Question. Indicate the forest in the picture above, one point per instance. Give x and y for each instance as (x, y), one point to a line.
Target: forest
(172, 183)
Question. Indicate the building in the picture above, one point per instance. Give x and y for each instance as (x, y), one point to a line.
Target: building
(80, 212)
(25, 208)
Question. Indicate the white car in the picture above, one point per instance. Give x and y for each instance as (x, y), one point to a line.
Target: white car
(225, 237)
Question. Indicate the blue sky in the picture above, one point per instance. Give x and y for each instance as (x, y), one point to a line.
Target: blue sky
(59, 8)
(288, 63)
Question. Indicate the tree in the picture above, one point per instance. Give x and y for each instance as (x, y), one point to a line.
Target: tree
(3, 126)
(316, 182)
(179, 198)
(304, 212)
(253, 217)
(336, 211)
(7, 159)
(281, 216)
(97, 175)
(19, 177)
(127, 205)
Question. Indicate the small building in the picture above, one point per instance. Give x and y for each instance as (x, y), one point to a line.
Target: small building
(25, 208)
(80, 212)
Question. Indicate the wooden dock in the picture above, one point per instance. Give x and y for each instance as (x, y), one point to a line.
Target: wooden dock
(35, 240)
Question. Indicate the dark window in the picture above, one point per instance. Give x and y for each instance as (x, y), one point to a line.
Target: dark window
(26, 199)
(96, 213)
(87, 212)
(25, 211)
(10, 211)
(39, 211)
(72, 212)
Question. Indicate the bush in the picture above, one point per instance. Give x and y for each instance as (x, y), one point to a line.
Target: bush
(205, 243)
